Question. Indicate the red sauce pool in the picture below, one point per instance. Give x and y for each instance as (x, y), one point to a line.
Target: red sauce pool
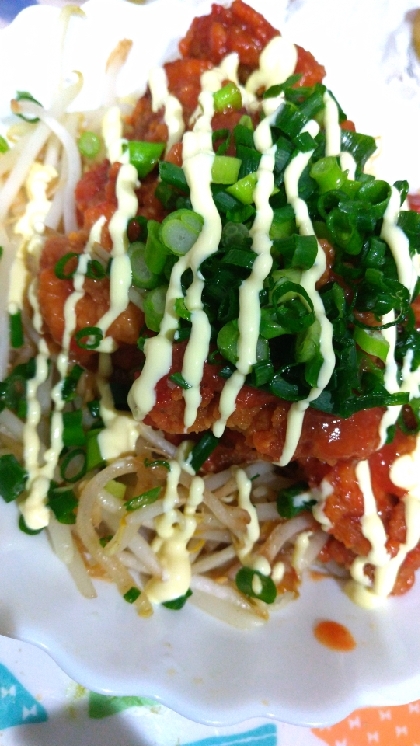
(334, 636)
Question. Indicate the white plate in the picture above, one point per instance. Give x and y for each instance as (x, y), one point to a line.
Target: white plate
(193, 664)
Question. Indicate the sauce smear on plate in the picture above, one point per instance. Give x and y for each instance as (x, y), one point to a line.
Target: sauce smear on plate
(334, 636)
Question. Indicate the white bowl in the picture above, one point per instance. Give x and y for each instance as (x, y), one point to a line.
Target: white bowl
(192, 663)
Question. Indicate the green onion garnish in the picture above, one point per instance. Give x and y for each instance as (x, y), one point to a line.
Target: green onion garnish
(16, 329)
(4, 145)
(73, 432)
(202, 450)
(89, 338)
(228, 97)
(144, 155)
(89, 144)
(25, 96)
(294, 500)
(12, 477)
(68, 389)
(25, 528)
(157, 462)
(256, 585)
(179, 379)
(66, 267)
(178, 603)
(63, 502)
(73, 465)
(146, 498)
(132, 594)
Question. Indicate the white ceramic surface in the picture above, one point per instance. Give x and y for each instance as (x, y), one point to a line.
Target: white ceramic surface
(193, 664)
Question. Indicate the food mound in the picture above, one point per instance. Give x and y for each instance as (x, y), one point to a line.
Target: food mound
(214, 377)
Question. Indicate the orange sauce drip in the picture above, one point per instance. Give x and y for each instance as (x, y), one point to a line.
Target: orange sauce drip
(334, 636)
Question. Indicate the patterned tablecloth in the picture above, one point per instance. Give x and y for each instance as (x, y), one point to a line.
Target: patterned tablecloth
(41, 706)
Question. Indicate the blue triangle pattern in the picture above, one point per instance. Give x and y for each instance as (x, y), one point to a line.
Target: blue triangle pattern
(264, 735)
(10, 8)
(17, 705)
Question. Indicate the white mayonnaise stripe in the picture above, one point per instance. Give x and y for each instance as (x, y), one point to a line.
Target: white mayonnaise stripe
(174, 530)
(308, 280)
(198, 157)
(127, 182)
(249, 292)
(398, 243)
(161, 98)
(372, 528)
(333, 136)
(391, 375)
(276, 64)
(31, 227)
(404, 473)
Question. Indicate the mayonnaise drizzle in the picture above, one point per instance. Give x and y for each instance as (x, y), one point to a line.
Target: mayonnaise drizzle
(198, 157)
(127, 205)
(308, 280)
(174, 530)
(161, 98)
(249, 291)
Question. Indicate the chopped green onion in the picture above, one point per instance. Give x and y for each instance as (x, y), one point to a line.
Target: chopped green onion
(104, 540)
(328, 174)
(174, 175)
(156, 252)
(12, 477)
(68, 389)
(4, 145)
(284, 223)
(25, 96)
(94, 457)
(244, 189)
(89, 144)
(239, 258)
(89, 338)
(228, 97)
(298, 252)
(73, 465)
(16, 330)
(73, 433)
(154, 307)
(23, 526)
(294, 500)
(179, 380)
(181, 309)
(95, 270)
(64, 272)
(117, 489)
(63, 502)
(180, 230)
(94, 407)
(304, 142)
(246, 121)
(374, 343)
(225, 169)
(146, 498)
(256, 585)
(141, 275)
(144, 155)
(132, 594)
(178, 603)
(157, 462)
(202, 450)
